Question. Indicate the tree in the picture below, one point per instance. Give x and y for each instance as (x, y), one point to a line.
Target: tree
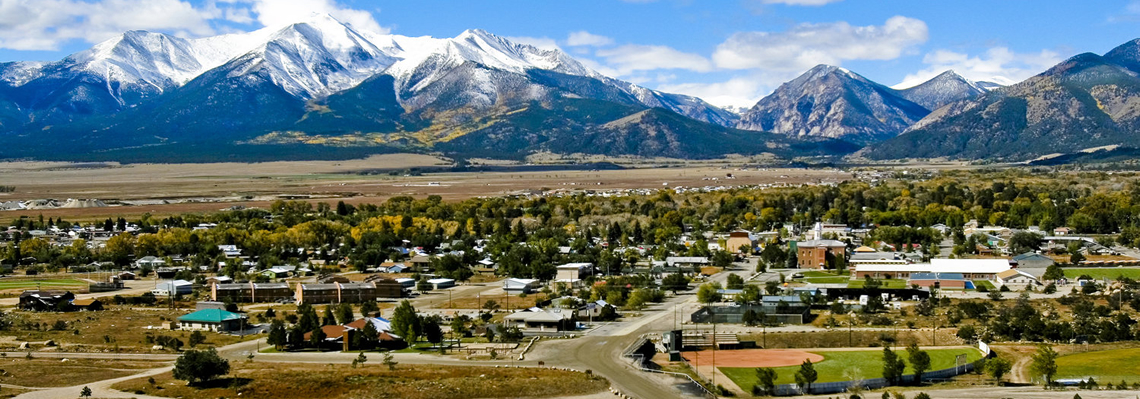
(791, 261)
(709, 293)
(967, 333)
(198, 366)
(1024, 241)
(328, 319)
(389, 361)
(423, 285)
(1053, 273)
(196, 338)
(431, 330)
(296, 336)
(749, 295)
(806, 376)
(360, 359)
(367, 338)
(750, 318)
(998, 367)
(893, 366)
(1044, 363)
(675, 282)
(405, 322)
(277, 334)
(317, 337)
(369, 308)
(344, 313)
(765, 382)
(919, 361)
(85, 392)
(735, 282)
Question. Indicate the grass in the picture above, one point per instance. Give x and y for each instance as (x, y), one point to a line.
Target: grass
(280, 380)
(44, 284)
(819, 277)
(34, 372)
(984, 283)
(847, 365)
(1098, 273)
(117, 328)
(887, 284)
(1106, 366)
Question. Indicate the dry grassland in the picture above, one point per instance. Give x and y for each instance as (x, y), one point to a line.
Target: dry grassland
(276, 380)
(117, 328)
(55, 372)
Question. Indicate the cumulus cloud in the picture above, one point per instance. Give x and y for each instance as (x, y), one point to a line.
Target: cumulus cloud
(631, 58)
(544, 43)
(284, 12)
(998, 64)
(736, 92)
(46, 24)
(807, 45)
(583, 38)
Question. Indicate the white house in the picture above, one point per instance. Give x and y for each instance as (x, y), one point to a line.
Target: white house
(173, 288)
(520, 285)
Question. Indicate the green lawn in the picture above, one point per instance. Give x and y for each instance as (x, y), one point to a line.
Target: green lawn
(46, 283)
(1110, 273)
(984, 283)
(1105, 366)
(845, 365)
(889, 284)
(820, 277)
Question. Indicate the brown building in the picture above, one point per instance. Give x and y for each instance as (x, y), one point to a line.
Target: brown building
(348, 292)
(250, 292)
(812, 254)
(736, 240)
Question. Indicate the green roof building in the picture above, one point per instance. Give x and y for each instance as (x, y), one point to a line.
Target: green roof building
(212, 320)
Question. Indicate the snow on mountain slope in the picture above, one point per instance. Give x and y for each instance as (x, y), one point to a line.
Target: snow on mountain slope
(943, 89)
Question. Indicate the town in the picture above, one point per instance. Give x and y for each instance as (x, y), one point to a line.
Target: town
(886, 284)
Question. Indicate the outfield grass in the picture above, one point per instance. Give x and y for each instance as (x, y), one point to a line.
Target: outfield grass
(1105, 366)
(1110, 273)
(45, 283)
(889, 284)
(845, 365)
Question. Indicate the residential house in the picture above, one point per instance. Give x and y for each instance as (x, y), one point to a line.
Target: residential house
(212, 320)
(44, 300)
(573, 273)
(230, 251)
(1062, 231)
(420, 263)
(542, 320)
(89, 304)
(152, 262)
(441, 283)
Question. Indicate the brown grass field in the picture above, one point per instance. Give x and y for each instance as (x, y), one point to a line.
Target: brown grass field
(55, 372)
(753, 358)
(278, 380)
(117, 328)
(210, 187)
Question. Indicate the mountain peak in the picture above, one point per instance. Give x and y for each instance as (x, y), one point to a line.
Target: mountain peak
(943, 89)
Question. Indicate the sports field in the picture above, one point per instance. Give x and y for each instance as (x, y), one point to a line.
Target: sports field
(1099, 273)
(818, 277)
(843, 365)
(1105, 366)
(42, 284)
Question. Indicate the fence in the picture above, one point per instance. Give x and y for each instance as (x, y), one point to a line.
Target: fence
(641, 361)
(824, 388)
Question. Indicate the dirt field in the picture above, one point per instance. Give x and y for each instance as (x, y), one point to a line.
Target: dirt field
(176, 188)
(753, 358)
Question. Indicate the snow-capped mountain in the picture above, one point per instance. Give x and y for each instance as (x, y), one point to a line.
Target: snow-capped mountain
(943, 89)
(833, 102)
(309, 59)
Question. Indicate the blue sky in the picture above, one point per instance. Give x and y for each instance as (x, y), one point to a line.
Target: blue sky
(730, 52)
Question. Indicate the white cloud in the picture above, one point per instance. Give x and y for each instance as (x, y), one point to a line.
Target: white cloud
(740, 92)
(801, 2)
(633, 57)
(997, 64)
(583, 38)
(284, 12)
(807, 45)
(46, 24)
(544, 43)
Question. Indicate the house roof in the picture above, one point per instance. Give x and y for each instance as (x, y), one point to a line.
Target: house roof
(864, 248)
(539, 317)
(821, 243)
(937, 276)
(1031, 255)
(332, 332)
(440, 281)
(1013, 273)
(84, 302)
(210, 316)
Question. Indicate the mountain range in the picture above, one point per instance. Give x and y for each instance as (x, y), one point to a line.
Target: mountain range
(319, 88)
(1084, 102)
